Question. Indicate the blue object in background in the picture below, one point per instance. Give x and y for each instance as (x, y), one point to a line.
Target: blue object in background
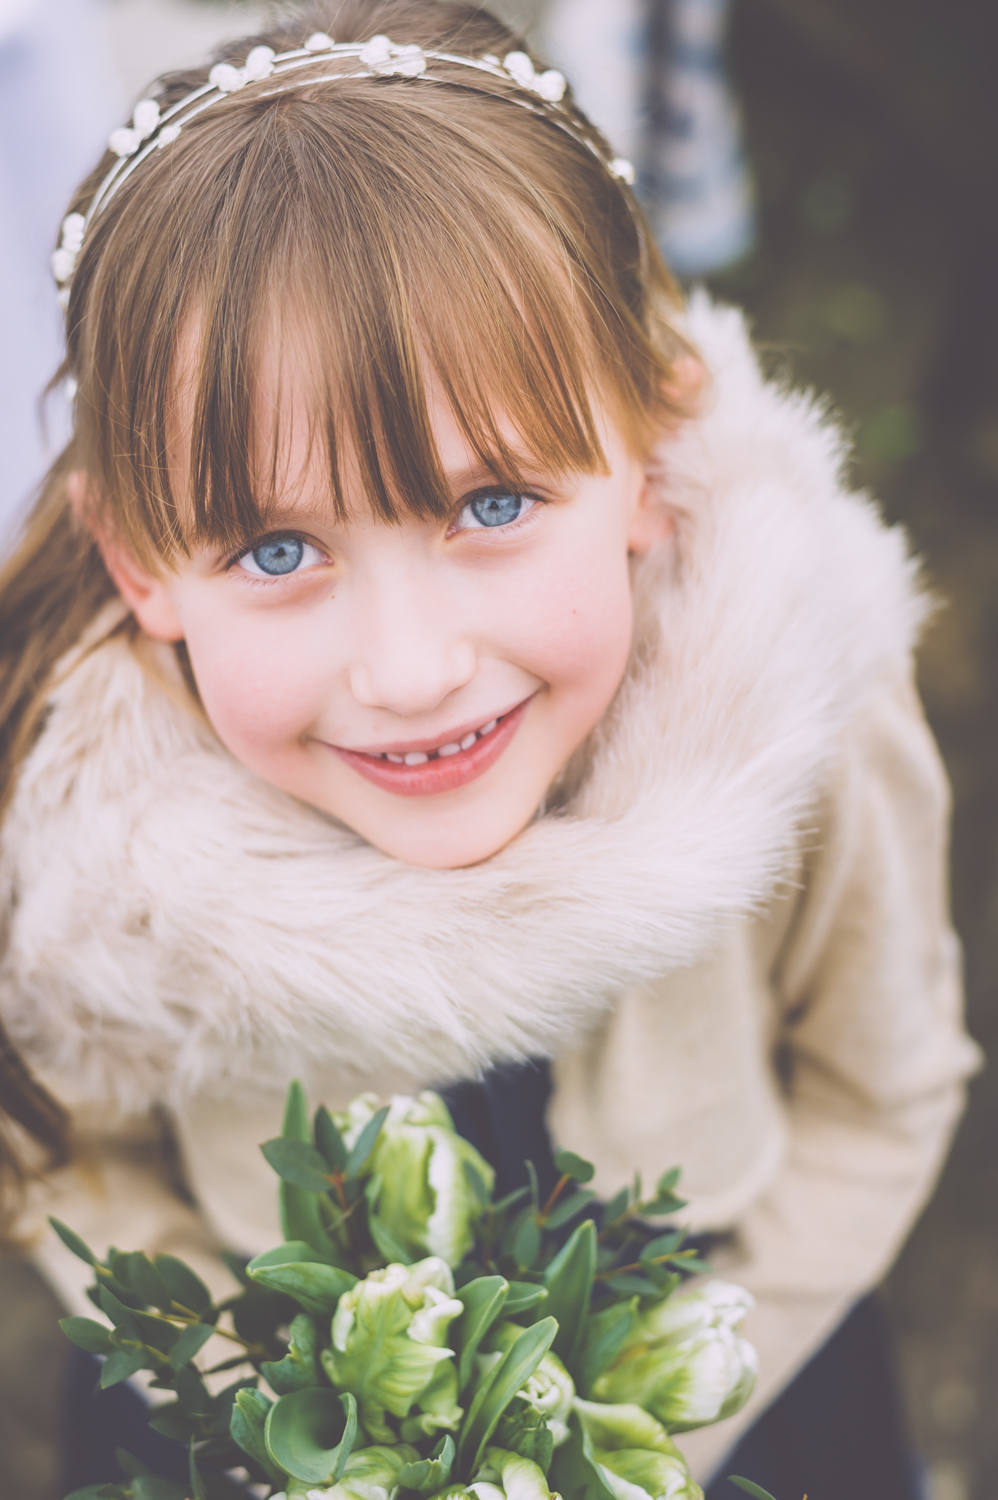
(651, 74)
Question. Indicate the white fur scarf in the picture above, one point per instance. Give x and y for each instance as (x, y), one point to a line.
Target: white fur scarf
(172, 923)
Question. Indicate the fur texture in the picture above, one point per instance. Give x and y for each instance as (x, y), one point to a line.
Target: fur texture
(172, 922)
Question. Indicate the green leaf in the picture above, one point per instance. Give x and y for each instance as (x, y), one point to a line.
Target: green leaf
(87, 1334)
(570, 1165)
(484, 1299)
(605, 1336)
(617, 1207)
(527, 1244)
(99, 1492)
(498, 1389)
(73, 1242)
(567, 1208)
(575, 1474)
(144, 1279)
(477, 1182)
(292, 1252)
(665, 1244)
(300, 1366)
(387, 1246)
(329, 1141)
(314, 1286)
(300, 1217)
(630, 1284)
(183, 1287)
(310, 1434)
(743, 1484)
(432, 1473)
(120, 1365)
(173, 1421)
(121, 1316)
(668, 1181)
(190, 1341)
(524, 1295)
(299, 1163)
(246, 1425)
(154, 1487)
(197, 1488)
(569, 1280)
(192, 1391)
(364, 1144)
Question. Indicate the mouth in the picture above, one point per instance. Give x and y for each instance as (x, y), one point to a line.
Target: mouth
(440, 768)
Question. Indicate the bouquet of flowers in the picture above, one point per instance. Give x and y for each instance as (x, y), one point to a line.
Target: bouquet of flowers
(415, 1337)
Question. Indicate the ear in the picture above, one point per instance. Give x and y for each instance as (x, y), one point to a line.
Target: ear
(147, 594)
(651, 520)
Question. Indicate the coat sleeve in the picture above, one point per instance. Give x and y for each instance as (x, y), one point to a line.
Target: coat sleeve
(871, 1045)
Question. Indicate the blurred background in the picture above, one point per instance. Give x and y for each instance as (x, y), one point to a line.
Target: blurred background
(831, 166)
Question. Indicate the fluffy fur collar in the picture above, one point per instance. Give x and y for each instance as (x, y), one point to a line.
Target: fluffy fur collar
(173, 923)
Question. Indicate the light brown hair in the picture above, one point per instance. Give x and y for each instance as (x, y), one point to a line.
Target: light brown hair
(393, 227)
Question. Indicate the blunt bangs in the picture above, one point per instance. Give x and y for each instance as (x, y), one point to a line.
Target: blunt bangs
(364, 236)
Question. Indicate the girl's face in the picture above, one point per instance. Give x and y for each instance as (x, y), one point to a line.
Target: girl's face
(422, 682)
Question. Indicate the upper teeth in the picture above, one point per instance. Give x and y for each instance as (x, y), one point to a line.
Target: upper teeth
(453, 747)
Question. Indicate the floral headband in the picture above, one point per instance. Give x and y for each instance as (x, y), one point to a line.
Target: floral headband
(153, 130)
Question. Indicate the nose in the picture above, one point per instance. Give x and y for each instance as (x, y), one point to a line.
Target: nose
(411, 650)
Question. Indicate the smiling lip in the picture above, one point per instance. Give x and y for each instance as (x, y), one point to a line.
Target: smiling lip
(442, 773)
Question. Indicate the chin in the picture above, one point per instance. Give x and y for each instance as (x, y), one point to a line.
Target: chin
(449, 843)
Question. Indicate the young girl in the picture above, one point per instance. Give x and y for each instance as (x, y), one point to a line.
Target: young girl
(437, 648)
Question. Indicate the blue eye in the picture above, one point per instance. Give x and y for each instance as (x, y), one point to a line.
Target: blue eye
(277, 556)
(498, 509)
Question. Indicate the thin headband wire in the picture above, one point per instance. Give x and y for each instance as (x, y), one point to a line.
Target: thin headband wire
(153, 129)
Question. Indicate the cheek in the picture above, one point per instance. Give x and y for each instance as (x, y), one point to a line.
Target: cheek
(578, 625)
(255, 683)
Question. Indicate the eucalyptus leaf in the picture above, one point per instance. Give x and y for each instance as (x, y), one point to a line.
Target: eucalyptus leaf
(484, 1299)
(120, 1365)
(617, 1206)
(567, 1208)
(314, 1286)
(183, 1286)
(190, 1341)
(630, 1283)
(310, 1434)
(329, 1141)
(299, 1163)
(99, 1492)
(569, 1280)
(663, 1244)
(72, 1242)
(496, 1392)
(147, 1281)
(121, 1316)
(173, 1421)
(364, 1144)
(87, 1334)
(570, 1165)
(192, 1391)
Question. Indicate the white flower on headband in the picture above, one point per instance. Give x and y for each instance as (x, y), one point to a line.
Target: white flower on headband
(551, 85)
(318, 42)
(382, 55)
(64, 259)
(127, 139)
(623, 170)
(226, 78)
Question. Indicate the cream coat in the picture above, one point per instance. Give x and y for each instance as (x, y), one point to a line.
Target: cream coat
(728, 929)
